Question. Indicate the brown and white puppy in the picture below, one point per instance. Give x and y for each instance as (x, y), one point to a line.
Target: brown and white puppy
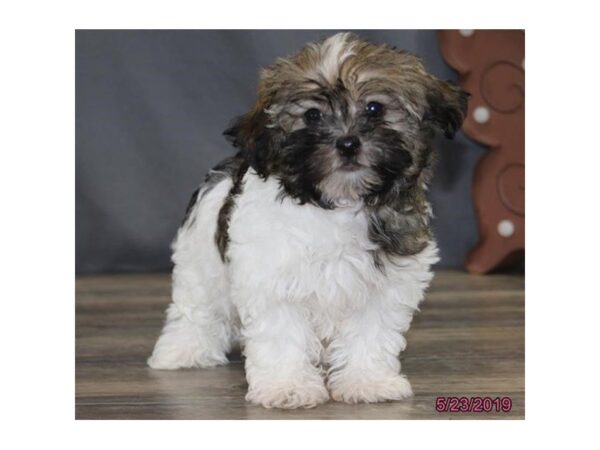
(312, 245)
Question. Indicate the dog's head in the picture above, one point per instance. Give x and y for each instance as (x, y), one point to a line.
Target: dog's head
(346, 120)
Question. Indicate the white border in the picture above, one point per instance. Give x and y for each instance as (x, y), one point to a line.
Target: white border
(37, 182)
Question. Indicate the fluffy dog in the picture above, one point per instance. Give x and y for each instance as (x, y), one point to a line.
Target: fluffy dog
(312, 246)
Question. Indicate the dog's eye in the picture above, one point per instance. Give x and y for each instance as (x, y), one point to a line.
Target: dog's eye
(313, 115)
(374, 109)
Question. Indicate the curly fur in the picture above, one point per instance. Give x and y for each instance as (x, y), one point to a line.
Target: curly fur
(313, 260)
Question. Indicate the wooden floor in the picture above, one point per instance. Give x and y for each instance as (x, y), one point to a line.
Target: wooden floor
(468, 340)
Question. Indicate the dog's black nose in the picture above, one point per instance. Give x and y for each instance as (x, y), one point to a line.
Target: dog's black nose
(348, 145)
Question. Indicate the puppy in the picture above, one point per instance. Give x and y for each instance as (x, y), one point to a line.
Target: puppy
(312, 246)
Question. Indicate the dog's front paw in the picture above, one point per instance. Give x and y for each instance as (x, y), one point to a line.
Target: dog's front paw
(288, 396)
(394, 387)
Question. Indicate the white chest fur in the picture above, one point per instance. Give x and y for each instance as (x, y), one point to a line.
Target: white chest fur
(322, 259)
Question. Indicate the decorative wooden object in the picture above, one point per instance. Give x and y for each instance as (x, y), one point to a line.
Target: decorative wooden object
(491, 67)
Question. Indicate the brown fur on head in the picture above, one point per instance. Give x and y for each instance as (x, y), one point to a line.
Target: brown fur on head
(345, 120)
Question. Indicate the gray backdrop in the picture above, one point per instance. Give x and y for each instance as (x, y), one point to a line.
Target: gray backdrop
(150, 110)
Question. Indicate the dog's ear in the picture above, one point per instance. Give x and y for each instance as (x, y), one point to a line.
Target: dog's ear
(250, 134)
(245, 132)
(446, 106)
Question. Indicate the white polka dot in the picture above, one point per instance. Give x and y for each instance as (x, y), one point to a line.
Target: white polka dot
(466, 33)
(506, 228)
(481, 114)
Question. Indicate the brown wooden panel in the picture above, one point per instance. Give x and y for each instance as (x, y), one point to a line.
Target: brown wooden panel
(491, 67)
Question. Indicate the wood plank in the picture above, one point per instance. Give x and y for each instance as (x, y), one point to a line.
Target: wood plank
(468, 340)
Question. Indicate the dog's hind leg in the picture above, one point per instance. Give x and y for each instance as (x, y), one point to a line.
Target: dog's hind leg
(193, 336)
(201, 322)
